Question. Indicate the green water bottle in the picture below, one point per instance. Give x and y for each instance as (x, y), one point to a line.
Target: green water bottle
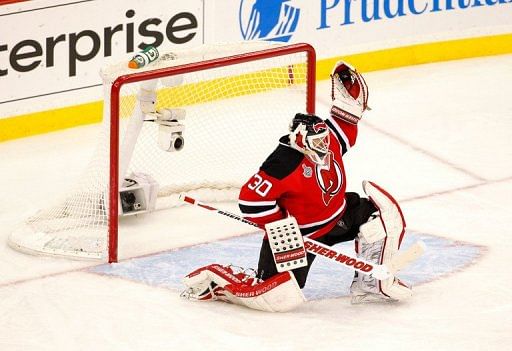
(143, 58)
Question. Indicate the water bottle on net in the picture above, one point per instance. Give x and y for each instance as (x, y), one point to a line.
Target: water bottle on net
(144, 57)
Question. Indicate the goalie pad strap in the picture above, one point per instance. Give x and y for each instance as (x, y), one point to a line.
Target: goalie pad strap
(372, 231)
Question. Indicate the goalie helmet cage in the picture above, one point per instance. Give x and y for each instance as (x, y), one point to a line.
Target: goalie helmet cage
(238, 99)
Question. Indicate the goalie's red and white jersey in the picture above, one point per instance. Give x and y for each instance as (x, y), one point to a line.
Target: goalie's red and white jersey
(288, 183)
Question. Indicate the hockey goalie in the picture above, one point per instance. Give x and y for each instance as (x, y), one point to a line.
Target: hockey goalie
(303, 182)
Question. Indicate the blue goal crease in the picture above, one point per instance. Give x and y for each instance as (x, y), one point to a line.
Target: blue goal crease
(326, 278)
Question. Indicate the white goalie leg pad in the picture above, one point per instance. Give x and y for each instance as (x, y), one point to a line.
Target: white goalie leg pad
(379, 241)
(391, 216)
(280, 293)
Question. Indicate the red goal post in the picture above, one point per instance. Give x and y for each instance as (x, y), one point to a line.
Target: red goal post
(237, 99)
(164, 72)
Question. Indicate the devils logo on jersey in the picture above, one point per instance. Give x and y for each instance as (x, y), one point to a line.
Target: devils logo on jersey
(329, 178)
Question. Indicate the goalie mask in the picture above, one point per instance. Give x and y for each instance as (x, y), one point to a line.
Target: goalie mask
(349, 93)
(309, 134)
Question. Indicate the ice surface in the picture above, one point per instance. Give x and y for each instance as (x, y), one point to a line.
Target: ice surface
(439, 138)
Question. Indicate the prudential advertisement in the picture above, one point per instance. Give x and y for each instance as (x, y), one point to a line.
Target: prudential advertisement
(337, 27)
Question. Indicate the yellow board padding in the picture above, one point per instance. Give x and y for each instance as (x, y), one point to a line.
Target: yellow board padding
(235, 86)
(220, 88)
(421, 54)
(67, 117)
(52, 120)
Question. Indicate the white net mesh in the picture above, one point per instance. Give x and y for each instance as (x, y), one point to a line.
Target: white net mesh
(235, 114)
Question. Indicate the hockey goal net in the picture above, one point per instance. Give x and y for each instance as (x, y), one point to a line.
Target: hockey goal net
(197, 121)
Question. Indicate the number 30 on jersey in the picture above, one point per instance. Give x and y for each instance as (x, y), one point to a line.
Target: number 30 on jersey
(259, 185)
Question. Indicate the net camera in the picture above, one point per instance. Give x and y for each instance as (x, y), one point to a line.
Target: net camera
(170, 130)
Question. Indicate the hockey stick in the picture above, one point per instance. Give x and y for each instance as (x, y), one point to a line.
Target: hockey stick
(380, 272)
